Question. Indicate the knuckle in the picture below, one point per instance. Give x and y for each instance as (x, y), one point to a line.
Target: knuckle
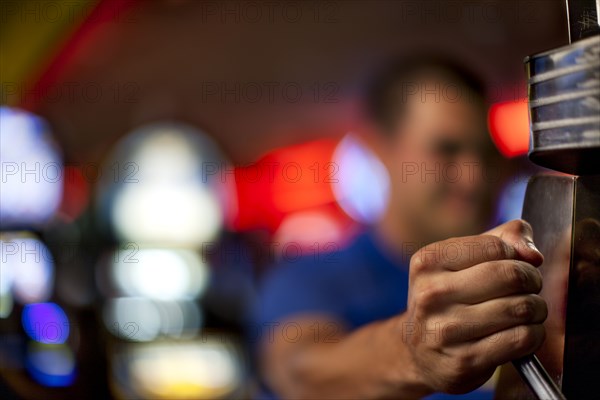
(495, 245)
(520, 226)
(417, 262)
(462, 366)
(516, 276)
(525, 309)
(428, 296)
(450, 331)
(534, 277)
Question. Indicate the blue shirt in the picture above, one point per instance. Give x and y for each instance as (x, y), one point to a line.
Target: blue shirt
(357, 285)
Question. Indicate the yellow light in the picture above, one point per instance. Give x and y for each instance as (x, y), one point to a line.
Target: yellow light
(199, 370)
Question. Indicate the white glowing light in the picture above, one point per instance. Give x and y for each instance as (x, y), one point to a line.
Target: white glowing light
(142, 320)
(132, 318)
(32, 173)
(198, 370)
(166, 213)
(171, 318)
(179, 319)
(161, 274)
(27, 268)
(165, 191)
(363, 186)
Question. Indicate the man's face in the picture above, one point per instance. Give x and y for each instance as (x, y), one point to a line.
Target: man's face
(436, 161)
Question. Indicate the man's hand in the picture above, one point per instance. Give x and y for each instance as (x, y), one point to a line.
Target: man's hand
(473, 305)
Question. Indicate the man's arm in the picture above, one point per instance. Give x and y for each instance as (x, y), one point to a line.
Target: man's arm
(330, 363)
(472, 305)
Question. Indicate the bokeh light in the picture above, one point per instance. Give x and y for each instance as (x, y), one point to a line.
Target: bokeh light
(32, 170)
(164, 187)
(510, 203)
(509, 126)
(363, 187)
(132, 318)
(27, 268)
(140, 319)
(206, 369)
(45, 323)
(51, 365)
(162, 274)
(312, 229)
(283, 181)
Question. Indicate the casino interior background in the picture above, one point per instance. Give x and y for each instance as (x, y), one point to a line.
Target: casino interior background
(159, 156)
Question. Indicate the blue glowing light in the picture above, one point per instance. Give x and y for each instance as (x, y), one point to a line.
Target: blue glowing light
(51, 365)
(45, 323)
(511, 200)
(364, 186)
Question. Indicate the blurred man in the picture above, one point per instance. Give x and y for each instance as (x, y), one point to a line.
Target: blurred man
(385, 320)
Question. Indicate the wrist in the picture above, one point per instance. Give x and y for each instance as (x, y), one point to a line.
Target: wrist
(405, 369)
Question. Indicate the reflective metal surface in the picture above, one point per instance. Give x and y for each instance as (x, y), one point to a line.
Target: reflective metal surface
(548, 208)
(564, 212)
(581, 366)
(564, 107)
(537, 378)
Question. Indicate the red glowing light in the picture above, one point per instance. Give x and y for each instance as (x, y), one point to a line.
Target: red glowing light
(509, 127)
(284, 181)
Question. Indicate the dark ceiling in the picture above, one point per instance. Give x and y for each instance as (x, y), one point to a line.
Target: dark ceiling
(265, 74)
